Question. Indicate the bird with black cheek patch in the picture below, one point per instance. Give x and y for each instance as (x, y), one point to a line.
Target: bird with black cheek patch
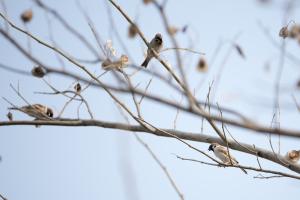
(37, 111)
(222, 154)
(156, 44)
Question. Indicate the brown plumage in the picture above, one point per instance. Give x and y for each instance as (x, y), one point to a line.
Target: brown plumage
(222, 154)
(37, 111)
(115, 65)
(293, 156)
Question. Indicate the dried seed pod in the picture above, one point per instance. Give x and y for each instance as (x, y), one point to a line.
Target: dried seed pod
(147, 1)
(132, 31)
(294, 31)
(240, 51)
(77, 88)
(202, 65)
(9, 115)
(172, 30)
(38, 71)
(27, 15)
(284, 32)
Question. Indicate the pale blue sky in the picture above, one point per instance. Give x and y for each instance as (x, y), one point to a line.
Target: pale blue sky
(95, 163)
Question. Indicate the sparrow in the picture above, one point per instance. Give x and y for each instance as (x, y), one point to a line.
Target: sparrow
(119, 64)
(222, 153)
(37, 111)
(155, 44)
(293, 156)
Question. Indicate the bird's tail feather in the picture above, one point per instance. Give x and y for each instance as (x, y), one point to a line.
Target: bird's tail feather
(146, 61)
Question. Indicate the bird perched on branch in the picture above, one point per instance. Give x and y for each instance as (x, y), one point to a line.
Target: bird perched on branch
(37, 111)
(115, 65)
(293, 156)
(222, 153)
(155, 44)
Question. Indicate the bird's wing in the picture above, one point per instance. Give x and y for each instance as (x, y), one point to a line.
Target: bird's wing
(223, 150)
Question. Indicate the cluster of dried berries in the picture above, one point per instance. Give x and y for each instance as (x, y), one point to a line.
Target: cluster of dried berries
(27, 15)
(292, 32)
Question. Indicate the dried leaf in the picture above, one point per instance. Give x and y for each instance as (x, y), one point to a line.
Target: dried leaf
(26, 16)
(9, 115)
(284, 32)
(132, 31)
(77, 88)
(109, 48)
(172, 30)
(38, 72)
(202, 65)
(184, 28)
(147, 1)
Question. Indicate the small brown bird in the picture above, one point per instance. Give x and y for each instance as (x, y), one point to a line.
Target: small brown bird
(222, 153)
(156, 44)
(37, 111)
(293, 156)
(119, 64)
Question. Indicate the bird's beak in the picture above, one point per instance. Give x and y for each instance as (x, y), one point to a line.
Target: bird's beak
(210, 148)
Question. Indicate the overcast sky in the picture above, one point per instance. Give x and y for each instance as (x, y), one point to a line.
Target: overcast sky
(92, 163)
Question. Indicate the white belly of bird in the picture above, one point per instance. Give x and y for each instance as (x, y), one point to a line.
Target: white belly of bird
(221, 156)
